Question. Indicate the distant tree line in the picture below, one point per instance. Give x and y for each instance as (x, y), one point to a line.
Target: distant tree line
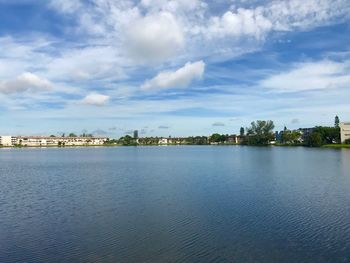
(260, 133)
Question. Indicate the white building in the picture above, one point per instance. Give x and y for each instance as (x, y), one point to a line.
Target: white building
(60, 141)
(163, 141)
(8, 140)
(38, 141)
(344, 131)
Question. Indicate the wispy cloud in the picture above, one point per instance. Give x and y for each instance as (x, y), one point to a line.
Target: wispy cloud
(176, 79)
(218, 124)
(323, 74)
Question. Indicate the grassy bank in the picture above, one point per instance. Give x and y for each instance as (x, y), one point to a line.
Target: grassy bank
(337, 146)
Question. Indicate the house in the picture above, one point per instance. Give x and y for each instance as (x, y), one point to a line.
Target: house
(344, 131)
(163, 141)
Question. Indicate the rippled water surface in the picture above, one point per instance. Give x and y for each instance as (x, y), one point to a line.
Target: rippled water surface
(175, 204)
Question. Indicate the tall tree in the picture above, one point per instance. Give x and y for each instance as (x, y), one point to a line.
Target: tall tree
(336, 121)
(241, 131)
(260, 133)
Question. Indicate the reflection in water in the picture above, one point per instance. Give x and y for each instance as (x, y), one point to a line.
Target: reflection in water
(175, 204)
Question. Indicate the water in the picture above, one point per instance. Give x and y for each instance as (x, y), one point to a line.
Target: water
(175, 204)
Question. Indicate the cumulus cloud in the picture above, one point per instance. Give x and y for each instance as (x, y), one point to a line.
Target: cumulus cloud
(25, 82)
(310, 76)
(176, 79)
(243, 22)
(154, 38)
(95, 99)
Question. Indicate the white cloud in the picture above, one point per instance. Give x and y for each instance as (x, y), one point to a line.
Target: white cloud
(276, 16)
(311, 76)
(301, 14)
(156, 30)
(176, 79)
(90, 63)
(25, 82)
(95, 99)
(154, 38)
(244, 22)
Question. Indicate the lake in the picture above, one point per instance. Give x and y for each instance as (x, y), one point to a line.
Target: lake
(175, 204)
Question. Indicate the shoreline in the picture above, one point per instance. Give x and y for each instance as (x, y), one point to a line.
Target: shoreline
(329, 146)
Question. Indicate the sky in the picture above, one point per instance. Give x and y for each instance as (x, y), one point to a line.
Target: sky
(179, 68)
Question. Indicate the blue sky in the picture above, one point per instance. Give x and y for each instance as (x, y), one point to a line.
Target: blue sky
(177, 68)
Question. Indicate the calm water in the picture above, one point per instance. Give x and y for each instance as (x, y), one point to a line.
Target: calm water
(175, 204)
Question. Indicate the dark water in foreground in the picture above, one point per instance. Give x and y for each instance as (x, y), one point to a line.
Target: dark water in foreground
(175, 204)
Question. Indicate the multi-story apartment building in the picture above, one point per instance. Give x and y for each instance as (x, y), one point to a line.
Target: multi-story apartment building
(8, 141)
(344, 131)
(50, 141)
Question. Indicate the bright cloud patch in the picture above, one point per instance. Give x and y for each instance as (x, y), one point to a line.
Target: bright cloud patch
(95, 99)
(176, 79)
(25, 82)
(311, 76)
(154, 38)
(245, 22)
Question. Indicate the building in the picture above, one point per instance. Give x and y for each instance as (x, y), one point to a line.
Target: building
(163, 141)
(8, 141)
(59, 141)
(233, 139)
(305, 133)
(136, 134)
(344, 131)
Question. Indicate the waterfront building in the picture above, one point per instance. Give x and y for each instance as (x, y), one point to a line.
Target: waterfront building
(163, 141)
(232, 139)
(8, 141)
(59, 141)
(344, 131)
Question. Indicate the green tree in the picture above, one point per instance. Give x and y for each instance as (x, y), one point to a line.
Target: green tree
(218, 138)
(260, 133)
(329, 134)
(336, 122)
(127, 141)
(314, 140)
(290, 137)
(72, 135)
(241, 131)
